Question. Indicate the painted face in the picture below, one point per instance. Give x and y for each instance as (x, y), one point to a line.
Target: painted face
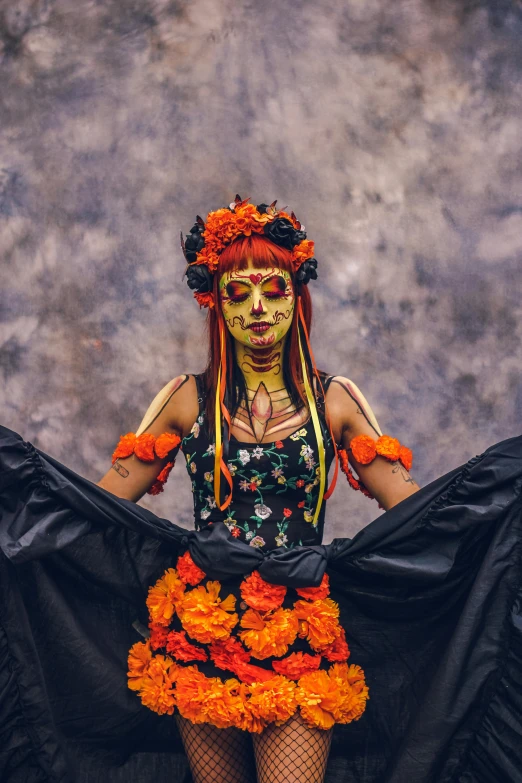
(257, 304)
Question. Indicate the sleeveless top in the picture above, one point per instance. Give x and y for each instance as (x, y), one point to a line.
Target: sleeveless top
(275, 484)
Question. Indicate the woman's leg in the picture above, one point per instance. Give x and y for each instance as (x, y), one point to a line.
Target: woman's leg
(217, 755)
(292, 753)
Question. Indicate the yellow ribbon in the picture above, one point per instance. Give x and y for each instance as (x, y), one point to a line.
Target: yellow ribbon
(219, 444)
(317, 427)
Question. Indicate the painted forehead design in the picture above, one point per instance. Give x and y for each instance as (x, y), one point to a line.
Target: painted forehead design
(253, 277)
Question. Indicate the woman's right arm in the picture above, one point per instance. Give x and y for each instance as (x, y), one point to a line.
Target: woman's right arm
(174, 410)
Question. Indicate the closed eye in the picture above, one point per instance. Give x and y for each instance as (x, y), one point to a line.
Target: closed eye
(274, 287)
(237, 291)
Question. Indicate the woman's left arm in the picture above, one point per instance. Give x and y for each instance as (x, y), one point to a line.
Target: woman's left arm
(351, 415)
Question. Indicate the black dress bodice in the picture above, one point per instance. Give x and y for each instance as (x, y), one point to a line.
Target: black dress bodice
(275, 484)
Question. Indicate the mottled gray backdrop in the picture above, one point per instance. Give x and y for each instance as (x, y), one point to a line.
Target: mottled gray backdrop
(394, 131)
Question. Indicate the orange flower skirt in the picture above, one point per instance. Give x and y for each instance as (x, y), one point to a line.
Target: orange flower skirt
(244, 655)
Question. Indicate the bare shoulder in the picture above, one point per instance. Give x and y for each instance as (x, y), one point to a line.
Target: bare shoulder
(348, 407)
(175, 406)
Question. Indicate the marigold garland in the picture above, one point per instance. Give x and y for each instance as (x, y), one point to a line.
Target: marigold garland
(253, 696)
(364, 449)
(147, 447)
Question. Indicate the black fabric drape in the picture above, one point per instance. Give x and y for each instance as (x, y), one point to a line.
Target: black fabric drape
(430, 595)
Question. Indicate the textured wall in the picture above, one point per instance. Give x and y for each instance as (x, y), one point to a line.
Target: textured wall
(392, 129)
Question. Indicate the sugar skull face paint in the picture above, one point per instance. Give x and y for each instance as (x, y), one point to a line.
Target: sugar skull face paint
(258, 305)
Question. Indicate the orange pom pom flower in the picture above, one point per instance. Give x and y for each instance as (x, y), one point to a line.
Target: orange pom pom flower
(297, 664)
(125, 447)
(188, 571)
(318, 622)
(363, 449)
(166, 443)
(269, 634)
(164, 597)
(179, 646)
(319, 699)
(388, 447)
(205, 616)
(261, 595)
(313, 593)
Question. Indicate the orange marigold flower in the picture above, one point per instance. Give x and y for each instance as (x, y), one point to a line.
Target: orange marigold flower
(273, 700)
(406, 457)
(388, 447)
(249, 673)
(158, 635)
(261, 595)
(205, 616)
(227, 653)
(157, 691)
(319, 699)
(302, 252)
(225, 703)
(165, 443)
(269, 634)
(319, 622)
(205, 300)
(164, 474)
(313, 593)
(188, 571)
(125, 446)
(138, 660)
(352, 689)
(144, 447)
(297, 664)
(192, 689)
(182, 649)
(363, 449)
(163, 598)
(338, 650)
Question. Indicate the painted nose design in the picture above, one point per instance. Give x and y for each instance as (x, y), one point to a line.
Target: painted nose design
(257, 309)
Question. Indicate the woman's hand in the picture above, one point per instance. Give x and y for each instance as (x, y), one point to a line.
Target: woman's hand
(173, 410)
(351, 415)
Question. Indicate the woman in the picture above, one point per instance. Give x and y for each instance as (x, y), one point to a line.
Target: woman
(393, 656)
(256, 287)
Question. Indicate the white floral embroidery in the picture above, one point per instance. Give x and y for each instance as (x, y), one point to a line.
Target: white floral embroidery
(205, 513)
(277, 472)
(262, 511)
(195, 429)
(211, 502)
(307, 452)
(249, 535)
(232, 468)
(243, 456)
(200, 419)
(257, 541)
(257, 452)
(310, 463)
(281, 539)
(211, 449)
(244, 485)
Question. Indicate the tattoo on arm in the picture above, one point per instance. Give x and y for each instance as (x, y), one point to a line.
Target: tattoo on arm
(399, 467)
(120, 469)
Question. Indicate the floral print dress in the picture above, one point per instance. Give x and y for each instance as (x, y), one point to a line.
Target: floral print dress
(275, 486)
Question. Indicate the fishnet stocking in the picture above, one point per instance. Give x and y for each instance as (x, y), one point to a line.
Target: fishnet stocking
(217, 755)
(291, 753)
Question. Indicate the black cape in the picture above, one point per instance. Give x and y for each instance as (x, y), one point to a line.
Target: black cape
(430, 595)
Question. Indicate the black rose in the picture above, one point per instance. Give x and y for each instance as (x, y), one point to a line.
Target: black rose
(199, 278)
(307, 271)
(261, 208)
(194, 243)
(282, 232)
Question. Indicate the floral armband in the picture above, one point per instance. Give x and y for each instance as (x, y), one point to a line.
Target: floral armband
(147, 447)
(365, 448)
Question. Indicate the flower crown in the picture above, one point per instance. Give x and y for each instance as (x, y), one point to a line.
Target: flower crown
(203, 245)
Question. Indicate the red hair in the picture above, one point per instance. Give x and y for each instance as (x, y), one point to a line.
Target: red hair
(263, 253)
